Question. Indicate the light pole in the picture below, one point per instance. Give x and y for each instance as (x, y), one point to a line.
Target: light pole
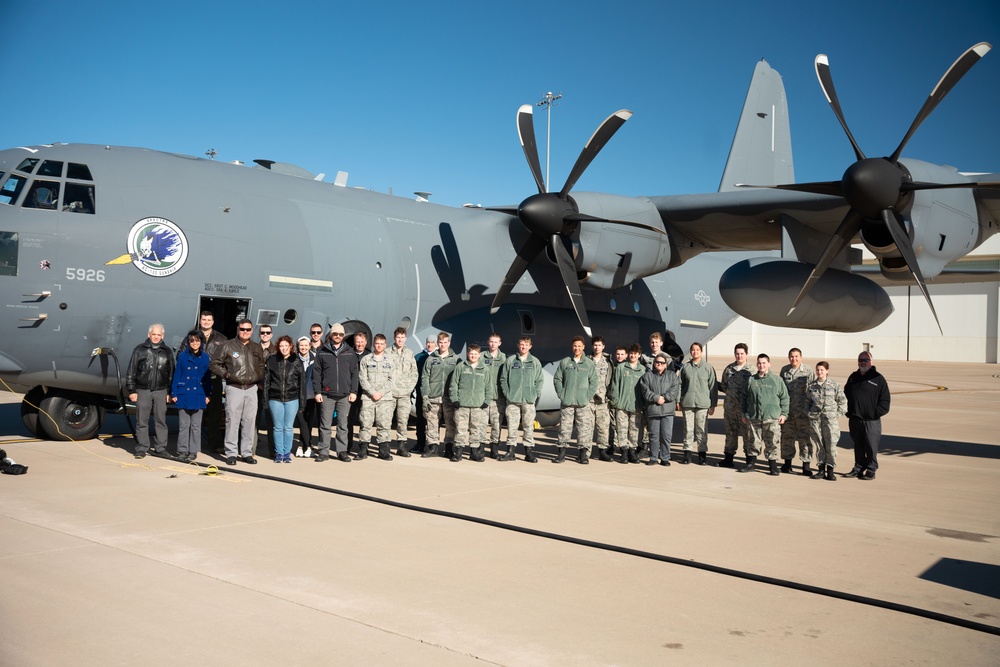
(547, 102)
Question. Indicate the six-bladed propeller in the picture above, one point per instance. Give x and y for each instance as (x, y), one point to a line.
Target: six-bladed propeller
(551, 218)
(877, 188)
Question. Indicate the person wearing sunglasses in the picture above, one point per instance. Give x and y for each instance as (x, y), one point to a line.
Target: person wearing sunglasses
(867, 401)
(240, 362)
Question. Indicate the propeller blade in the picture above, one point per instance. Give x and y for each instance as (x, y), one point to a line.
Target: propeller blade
(602, 135)
(526, 133)
(826, 83)
(585, 217)
(848, 228)
(509, 210)
(817, 188)
(944, 86)
(567, 269)
(525, 256)
(921, 185)
(902, 240)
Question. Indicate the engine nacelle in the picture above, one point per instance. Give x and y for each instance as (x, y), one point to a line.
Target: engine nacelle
(613, 255)
(763, 290)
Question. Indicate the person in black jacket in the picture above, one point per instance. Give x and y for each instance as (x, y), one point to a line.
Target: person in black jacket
(283, 390)
(867, 400)
(147, 381)
(335, 381)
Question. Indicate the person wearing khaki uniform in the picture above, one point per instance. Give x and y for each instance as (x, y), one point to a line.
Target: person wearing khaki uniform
(377, 377)
(827, 404)
(599, 403)
(406, 380)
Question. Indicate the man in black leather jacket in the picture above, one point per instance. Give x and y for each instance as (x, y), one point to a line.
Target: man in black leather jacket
(147, 381)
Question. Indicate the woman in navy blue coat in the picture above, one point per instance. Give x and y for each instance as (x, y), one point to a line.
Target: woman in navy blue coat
(191, 392)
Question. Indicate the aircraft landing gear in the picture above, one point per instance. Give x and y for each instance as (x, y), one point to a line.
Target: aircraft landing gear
(29, 411)
(68, 416)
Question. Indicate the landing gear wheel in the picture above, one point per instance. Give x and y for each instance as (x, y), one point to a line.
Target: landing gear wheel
(29, 411)
(70, 417)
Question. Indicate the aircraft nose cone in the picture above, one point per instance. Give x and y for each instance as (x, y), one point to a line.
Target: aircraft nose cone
(871, 186)
(544, 214)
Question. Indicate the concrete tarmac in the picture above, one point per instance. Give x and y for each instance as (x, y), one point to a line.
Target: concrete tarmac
(107, 560)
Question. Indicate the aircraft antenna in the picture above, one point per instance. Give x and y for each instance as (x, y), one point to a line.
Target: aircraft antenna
(211, 153)
(548, 101)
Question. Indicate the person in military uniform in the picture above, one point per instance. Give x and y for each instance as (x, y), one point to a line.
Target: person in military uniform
(575, 382)
(599, 402)
(765, 409)
(421, 358)
(699, 396)
(470, 392)
(521, 381)
(827, 403)
(796, 428)
(377, 377)
(438, 367)
(733, 384)
(494, 360)
(626, 400)
(406, 380)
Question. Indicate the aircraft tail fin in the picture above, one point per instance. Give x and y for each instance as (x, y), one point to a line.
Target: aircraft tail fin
(761, 153)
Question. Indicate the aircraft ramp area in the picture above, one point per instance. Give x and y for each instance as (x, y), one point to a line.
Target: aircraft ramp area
(111, 561)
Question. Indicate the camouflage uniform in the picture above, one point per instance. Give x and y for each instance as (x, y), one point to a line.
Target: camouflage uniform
(406, 380)
(764, 403)
(699, 393)
(599, 403)
(734, 385)
(796, 427)
(575, 383)
(521, 384)
(434, 388)
(471, 388)
(496, 408)
(627, 403)
(376, 375)
(827, 404)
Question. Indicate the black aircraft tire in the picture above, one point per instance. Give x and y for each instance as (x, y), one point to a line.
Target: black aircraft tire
(547, 418)
(74, 418)
(29, 413)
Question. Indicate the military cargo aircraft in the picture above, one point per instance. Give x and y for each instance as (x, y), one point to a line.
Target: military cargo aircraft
(98, 242)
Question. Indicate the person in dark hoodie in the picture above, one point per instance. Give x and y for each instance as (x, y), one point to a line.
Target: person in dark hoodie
(147, 381)
(867, 401)
(335, 381)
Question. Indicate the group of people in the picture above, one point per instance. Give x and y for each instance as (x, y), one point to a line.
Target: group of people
(625, 402)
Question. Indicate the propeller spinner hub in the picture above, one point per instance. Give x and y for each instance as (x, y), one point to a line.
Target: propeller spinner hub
(545, 214)
(872, 185)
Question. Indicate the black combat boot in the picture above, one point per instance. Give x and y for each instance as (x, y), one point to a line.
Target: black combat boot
(603, 455)
(494, 454)
(509, 455)
(829, 474)
(583, 456)
(362, 450)
(819, 474)
(787, 466)
(727, 462)
(430, 451)
(529, 455)
(702, 458)
(687, 458)
(772, 468)
(750, 466)
(561, 456)
(633, 455)
(807, 469)
(383, 451)
(402, 449)
(622, 455)
(456, 453)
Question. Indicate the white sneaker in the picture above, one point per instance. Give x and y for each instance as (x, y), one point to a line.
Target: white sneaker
(308, 453)
(298, 452)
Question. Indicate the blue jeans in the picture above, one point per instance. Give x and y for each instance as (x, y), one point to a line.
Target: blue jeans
(283, 416)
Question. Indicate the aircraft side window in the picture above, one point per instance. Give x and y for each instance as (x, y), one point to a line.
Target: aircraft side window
(51, 168)
(79, 198)
(80, 172)
(27, 164)
(11, 189)
(43, 194)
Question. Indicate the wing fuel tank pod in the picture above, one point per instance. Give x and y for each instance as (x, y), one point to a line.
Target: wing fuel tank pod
(763, 289)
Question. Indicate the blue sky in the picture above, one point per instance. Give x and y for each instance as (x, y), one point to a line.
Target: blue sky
(423, 96)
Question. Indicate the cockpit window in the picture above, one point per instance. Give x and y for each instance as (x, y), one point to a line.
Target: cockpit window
(12, 188)
(79, 197)
(79, 171)
(51, 168)
(43, 194)
(27, 164)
